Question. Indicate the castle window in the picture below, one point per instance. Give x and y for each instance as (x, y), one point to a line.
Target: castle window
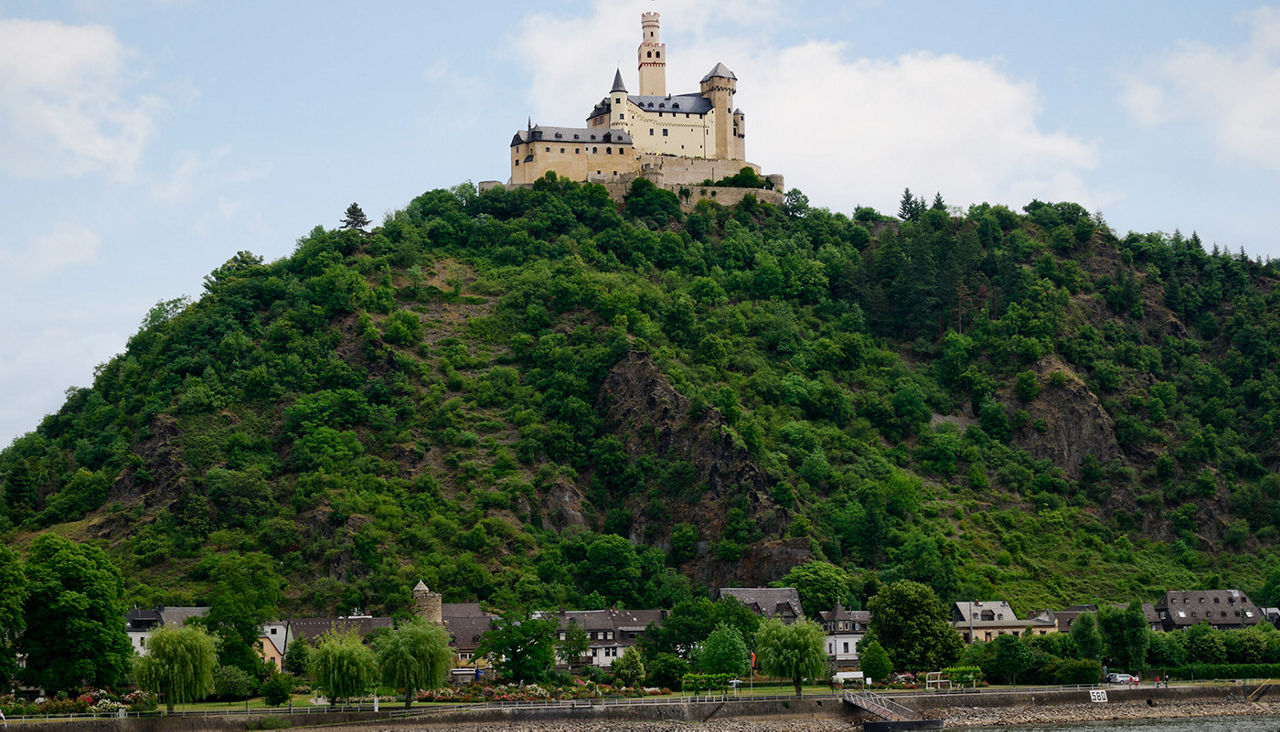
(561, 151)
(621, 115)
(649, 55)
(650, 132)
(664, 131)
(608, 151)
(516, 163)
(659, 54)
(575, 151)
(595, 149)
(549, 149)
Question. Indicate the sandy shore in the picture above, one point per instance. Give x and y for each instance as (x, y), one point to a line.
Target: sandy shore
(1067, 713)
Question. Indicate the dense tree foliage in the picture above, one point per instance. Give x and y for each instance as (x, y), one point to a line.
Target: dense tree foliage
(178, 666)
(522, 647)
(909, 621)
(415, 656)
(74, 635)
(794, 652)
(423, 402)
(13, 596)
(342, 667)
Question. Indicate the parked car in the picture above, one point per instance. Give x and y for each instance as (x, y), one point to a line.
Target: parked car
(1120, 678)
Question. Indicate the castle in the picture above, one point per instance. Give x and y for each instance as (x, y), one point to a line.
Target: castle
(676, 141)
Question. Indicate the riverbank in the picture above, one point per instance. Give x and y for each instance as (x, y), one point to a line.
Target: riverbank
(961, 717)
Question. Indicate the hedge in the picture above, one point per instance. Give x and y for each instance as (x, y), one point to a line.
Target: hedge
(1219, 671)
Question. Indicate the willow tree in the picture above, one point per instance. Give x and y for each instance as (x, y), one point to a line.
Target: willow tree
(791, 651)
(178, 665)
(342, 666)
(414, 656)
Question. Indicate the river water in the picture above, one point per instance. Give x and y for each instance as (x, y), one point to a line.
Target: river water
(1184, 724)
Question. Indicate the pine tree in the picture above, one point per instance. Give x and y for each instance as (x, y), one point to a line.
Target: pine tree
(355, 219)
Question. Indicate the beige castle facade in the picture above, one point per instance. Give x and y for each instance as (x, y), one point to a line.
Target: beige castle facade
(675, 140)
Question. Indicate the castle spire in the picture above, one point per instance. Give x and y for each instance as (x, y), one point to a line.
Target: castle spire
(618, 86)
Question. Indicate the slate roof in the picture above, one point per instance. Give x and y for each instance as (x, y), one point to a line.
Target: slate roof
(684, 103)
(178, 616)
(465, 631)
(767, 601)
(571, 134)
(989, 614)
(618, 86)
(857, 620)
(721, 71)
(463, 610)
(146, 618)
(1221, 608)
(309, 628)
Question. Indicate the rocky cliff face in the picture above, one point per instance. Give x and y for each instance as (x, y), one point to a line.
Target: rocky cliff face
(1068, 423)
(647, 413)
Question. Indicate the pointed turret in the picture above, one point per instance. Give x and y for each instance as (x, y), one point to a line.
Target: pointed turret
(618, 86)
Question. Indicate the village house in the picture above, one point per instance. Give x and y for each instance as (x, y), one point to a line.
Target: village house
(610, 632)
(1221, 609)
(139, 623)
(1065, 617)
(782, 603)
(845, 629)
(986, 620)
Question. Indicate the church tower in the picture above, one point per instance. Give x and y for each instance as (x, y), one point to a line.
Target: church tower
(653, 57)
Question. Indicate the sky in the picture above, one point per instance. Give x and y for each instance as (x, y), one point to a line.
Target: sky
(145, 142)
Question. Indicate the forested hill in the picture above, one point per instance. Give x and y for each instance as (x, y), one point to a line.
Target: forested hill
(489, 390)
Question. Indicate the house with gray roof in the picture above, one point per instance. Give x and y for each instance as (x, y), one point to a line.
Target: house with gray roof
(610, 632)
(770, 602)
(986, 620)
(140, 622)
(845, 629)
(1221, 609)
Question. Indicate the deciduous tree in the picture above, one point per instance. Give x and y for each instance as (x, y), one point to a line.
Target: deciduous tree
(910, 622)
(628, 670)
(724, 652)
(13, 595)
(875, 661)
(74, 633)
(414, 656)
(522, 647)
(179, 664)
(791, 651)
(342, 667)
(574, 646)
(246, 593)
(1084, 632)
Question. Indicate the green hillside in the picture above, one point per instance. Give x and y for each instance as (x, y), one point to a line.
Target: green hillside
(487, 388)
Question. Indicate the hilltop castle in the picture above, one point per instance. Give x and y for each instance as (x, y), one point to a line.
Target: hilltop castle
(674, 140)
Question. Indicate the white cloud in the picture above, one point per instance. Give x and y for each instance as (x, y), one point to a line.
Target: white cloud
(1233, 92)
(847, 130)
(63, 106)
(67, 244)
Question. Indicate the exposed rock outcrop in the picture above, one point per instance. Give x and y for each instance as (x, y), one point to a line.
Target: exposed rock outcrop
(1075, 425)
(650, 417)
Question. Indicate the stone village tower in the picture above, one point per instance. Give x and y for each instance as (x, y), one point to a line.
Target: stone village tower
(675, 140)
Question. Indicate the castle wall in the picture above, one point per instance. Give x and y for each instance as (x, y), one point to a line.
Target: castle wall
(671, 133)
(679, 171)
(573, 159)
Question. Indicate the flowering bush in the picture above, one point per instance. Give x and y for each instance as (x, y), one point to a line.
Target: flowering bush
(578, 689)
(106, 705)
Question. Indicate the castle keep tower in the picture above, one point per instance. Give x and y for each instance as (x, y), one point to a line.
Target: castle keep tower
(428, 605)
(718, 86)
(652, 56)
